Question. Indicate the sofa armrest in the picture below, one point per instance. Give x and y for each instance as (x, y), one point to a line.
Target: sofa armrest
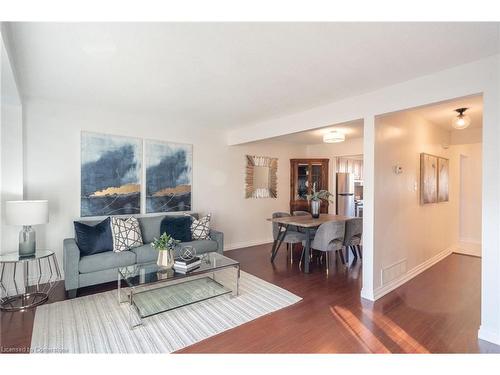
(219, 238)
(71, 258)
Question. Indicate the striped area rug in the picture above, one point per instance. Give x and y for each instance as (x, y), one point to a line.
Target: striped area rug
(98, 324)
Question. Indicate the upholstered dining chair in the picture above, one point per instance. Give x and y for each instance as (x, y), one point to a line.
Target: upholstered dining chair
(311, 231)
(329, 238)
(352, 238)
(292, 235)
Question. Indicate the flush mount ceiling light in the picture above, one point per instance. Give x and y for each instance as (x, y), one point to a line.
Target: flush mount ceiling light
(333, 137)
(462, 120)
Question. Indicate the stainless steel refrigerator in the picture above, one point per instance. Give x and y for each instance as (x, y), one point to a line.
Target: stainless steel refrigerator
(345, 194)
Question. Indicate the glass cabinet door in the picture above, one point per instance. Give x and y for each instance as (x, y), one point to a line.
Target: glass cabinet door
(303, 174)
(316, 176)
(302, 183)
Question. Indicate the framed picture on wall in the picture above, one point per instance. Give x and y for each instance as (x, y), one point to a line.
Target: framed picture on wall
(110, 175)
(443, 179)
(168, 176)
(428, 178)
(434, 179)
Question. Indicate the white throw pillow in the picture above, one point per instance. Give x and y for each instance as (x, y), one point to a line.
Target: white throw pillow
(126, 233)
(200, 229)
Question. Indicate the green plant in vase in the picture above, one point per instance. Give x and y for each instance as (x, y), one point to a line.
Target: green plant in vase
(315, 199)
(165, 245)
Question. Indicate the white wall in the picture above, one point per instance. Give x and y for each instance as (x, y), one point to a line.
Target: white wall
(53, 169)
(11, 148)
(405, 230)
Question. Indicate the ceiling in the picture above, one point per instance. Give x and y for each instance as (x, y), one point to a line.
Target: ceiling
(443, 113)
(226, 75)
(352, 129)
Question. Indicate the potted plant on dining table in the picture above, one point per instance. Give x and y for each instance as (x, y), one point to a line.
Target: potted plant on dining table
(315, 199)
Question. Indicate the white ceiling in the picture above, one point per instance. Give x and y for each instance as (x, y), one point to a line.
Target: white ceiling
(351, 129)
(443, 113)
(232, 74)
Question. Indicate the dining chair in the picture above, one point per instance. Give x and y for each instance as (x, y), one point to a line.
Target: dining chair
(329, 238)
(311, 231)
(352, 238)
(292, 235)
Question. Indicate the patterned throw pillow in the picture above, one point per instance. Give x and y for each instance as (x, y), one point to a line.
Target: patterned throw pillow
(126, 233)
(200, 229)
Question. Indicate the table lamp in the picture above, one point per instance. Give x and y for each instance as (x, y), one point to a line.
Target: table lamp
(27, 213)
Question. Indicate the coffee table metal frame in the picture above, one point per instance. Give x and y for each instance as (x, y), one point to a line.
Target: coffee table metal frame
(169, 276)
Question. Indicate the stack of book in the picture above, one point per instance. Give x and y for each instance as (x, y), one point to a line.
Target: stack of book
(184, 266)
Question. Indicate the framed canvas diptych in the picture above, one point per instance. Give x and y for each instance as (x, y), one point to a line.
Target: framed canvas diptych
(110, 168)
(168, 176)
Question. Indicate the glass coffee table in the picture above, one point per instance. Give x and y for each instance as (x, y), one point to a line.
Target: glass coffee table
(153, 289)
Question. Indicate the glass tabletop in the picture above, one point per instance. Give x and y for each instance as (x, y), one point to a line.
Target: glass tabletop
(154, 301)
(14, 256)
(140, 274)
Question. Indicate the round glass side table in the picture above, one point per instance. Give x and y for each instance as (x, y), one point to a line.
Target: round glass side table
(26, 282)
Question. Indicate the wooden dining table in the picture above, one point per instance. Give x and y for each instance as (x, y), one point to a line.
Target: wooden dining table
(307, 223)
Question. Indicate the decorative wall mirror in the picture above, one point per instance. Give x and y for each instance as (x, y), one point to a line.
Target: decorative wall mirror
(261, 177)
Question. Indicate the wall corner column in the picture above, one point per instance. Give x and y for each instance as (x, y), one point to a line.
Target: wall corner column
(367, 291)
(490, 257)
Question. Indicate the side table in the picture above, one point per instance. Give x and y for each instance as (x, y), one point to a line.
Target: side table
(26, 282)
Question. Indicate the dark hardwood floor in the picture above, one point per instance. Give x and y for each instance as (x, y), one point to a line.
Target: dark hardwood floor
(436, 312)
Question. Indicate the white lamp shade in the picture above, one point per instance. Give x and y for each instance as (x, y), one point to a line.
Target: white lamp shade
(26, 212)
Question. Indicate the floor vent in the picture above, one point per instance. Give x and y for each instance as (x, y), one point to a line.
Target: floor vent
(393, 271)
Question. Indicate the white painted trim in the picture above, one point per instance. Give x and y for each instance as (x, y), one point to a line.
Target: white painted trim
(488, 335)
(389, 287)
(243, 244)
(367, 294)
(468, 248)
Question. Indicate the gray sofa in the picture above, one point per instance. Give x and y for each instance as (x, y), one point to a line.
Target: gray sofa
(80, 271)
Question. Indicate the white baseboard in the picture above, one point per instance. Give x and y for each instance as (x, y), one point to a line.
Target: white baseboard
(389, 287)
(367, 294)
(468, 248)
(239, 245)
(489, 335)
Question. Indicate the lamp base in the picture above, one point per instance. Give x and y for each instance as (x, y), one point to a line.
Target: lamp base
(27, 241)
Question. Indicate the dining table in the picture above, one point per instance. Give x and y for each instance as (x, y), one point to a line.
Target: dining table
(308, 224)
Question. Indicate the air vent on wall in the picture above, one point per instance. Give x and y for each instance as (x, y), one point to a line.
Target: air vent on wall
(393, 271)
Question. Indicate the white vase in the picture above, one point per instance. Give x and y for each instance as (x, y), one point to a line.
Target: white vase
(165, 258)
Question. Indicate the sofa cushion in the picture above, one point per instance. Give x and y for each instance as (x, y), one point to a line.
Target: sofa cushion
(126, 233)
(94, 239)
(178, 227)
(107, 260)
(150, 226)
(200, 228)
(145, 253)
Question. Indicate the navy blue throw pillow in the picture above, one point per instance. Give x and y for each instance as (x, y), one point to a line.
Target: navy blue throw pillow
(179, 227)
(94, 239)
